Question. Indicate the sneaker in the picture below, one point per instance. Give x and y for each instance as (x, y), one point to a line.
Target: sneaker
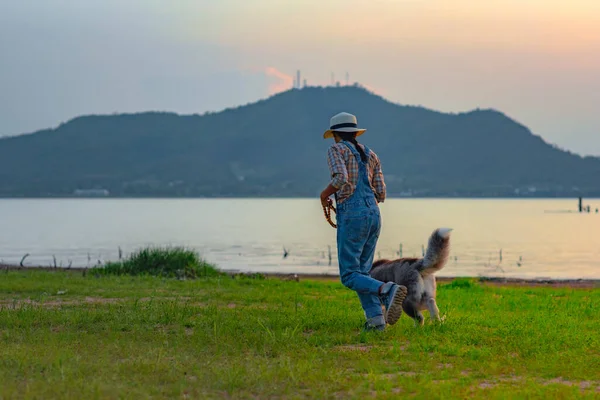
(375, 324)
(392, 298)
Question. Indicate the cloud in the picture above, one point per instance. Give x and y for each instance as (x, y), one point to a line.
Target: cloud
(278, 81)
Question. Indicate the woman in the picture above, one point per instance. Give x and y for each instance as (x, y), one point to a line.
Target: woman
(357, 182)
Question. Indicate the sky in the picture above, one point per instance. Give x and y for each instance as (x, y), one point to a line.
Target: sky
(538, 61)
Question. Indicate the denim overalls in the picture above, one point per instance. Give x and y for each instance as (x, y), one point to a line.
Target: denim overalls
(358, 229)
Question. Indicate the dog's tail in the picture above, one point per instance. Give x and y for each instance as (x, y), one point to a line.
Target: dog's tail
(437, 252)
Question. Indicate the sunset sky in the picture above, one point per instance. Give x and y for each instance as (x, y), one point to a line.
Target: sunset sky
(538, 61)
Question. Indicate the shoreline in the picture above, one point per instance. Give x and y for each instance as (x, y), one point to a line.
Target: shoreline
(497, 281)
(293, 197)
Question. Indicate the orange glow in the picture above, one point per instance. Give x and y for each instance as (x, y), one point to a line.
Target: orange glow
(549, 26)
(282, 81)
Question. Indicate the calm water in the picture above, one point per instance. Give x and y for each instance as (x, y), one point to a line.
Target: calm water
(249, 235)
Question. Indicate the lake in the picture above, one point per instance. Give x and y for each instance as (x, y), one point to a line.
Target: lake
(511, 238)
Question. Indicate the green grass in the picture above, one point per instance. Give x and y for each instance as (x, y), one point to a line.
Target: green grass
(66, 336)
(174, 262)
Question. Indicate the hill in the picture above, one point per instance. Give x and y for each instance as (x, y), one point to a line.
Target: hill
(274, 148)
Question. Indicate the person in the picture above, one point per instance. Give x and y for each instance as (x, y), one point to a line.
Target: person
(358, 185)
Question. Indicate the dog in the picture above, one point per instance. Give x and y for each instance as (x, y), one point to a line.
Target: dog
(417, 274)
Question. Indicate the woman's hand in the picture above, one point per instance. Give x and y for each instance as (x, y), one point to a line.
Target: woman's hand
(329, 190)
(325, 200)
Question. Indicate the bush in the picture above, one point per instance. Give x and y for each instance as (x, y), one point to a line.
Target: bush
(461, 283)
(176, 262)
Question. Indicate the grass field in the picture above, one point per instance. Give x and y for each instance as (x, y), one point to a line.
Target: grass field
(64, 335)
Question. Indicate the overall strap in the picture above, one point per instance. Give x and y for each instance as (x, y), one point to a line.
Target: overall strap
(363, 185)
(356, 153)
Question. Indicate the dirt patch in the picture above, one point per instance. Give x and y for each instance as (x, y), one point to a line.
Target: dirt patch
(555, 283)
(13, 304)
(53, 302)
(586, 385)
(102, 300)
(399, 373)
(559, 381)
(363, 348)
(166, 298)
(583, 385)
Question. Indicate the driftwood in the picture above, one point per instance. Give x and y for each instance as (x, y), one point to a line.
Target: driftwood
(23, 259)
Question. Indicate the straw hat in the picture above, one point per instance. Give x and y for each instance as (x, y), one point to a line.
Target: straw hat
(343, 122)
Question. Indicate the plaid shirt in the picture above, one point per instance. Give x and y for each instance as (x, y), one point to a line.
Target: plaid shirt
(344, 172)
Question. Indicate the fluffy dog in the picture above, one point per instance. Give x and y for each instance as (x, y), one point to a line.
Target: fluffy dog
(417, 274)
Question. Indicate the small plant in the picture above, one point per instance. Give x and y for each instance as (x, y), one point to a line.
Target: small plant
(249, 275)
(497, 266)
(175, 262)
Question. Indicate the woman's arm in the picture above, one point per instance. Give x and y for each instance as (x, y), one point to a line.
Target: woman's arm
(338, 171)
(378, 182)
(337, 167)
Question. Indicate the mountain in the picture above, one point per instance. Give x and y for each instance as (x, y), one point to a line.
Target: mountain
(274, 147)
